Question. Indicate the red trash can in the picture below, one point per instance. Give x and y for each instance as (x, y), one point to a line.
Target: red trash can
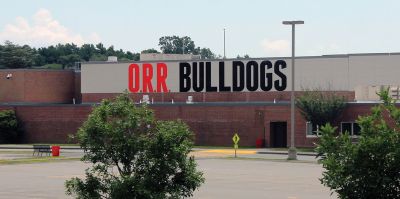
(259, 143)
(55, 150)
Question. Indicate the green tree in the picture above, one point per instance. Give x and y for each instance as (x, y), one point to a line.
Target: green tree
(101, 49)
(176, 45)
(86, 51)
(69, 60)
(98, 57)
(132, 56)
(8, 127)
(151, 50)
(15, 56)
(135, 56)
(368, 168)
(206, 53)
(110, 51)
(151, 157)
(320, 108)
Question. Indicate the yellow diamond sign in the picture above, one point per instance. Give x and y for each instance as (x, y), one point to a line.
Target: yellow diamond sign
(235, 139)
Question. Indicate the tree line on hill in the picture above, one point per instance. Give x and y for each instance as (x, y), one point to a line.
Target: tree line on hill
(66, 55)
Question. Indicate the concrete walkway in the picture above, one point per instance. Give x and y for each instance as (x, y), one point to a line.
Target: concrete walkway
(9, 152)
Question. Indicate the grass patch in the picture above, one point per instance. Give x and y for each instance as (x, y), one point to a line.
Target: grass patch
(37, 160)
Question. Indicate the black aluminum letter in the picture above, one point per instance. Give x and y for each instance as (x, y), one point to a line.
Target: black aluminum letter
(280, 64)
(184, 77)
(235, 85)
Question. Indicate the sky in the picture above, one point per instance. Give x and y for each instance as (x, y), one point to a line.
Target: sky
(253, 27)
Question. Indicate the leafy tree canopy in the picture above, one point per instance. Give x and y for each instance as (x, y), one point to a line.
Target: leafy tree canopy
(183, 45)
(15, 56)
(368, 167)
(320, 108)
(150, 157)
(152, 50)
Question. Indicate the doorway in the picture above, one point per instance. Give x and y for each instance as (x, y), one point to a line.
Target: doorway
(278, 134)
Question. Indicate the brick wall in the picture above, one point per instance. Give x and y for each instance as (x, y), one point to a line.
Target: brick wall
(33, 86)
(212, 124)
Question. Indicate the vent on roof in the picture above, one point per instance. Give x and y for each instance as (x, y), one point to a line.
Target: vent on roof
(112, 59)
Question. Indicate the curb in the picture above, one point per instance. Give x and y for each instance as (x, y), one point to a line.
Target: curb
(285, 153)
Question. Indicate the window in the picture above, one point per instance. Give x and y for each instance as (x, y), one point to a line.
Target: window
(351, 127)
(312, 129)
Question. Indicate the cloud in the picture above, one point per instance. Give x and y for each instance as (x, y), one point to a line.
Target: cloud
(43, 31)
(276, 47)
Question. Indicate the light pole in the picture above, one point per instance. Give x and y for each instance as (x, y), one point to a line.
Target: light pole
(183, 46)
(224, 44)
(292, 153)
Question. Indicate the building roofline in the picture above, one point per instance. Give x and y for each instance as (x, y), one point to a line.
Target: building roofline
(255, 58)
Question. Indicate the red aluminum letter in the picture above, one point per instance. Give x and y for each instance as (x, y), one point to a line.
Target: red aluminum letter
(147, 78)
(162, 73)
(133, 78)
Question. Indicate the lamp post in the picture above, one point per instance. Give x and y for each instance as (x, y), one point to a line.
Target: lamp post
(292, 153)
(224, 44)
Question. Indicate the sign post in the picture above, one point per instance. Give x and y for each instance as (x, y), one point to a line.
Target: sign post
(235, 140)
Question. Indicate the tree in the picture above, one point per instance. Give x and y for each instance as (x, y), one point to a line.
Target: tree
(68, 60)
(15, 56)
(151, 157)
(151, 50)
(176, 45)
(206, 53)
(110, 51)
(101, 49)
(8, 127)
(320, 108)
(368, 168)
(182, 45)
(87, 51)
(136, 56)
(98, 57)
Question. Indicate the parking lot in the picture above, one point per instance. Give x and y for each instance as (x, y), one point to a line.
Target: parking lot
(249, 176)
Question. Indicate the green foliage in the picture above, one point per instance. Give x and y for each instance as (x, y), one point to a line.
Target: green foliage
(206, 53)
(68, 54)
(320, 108)
(152, 50)
(98, 57)
(180, 45)
(50, 66)
(15, 56)
(368, 168)
(8, 127)
(68, 60)
(150, 157)
(176, 45)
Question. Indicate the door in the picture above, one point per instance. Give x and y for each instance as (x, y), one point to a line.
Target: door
(278, 134)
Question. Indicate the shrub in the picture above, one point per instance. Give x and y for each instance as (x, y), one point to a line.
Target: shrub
(368, 168)
(8, 127)
(320, 108)
(150, 157)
